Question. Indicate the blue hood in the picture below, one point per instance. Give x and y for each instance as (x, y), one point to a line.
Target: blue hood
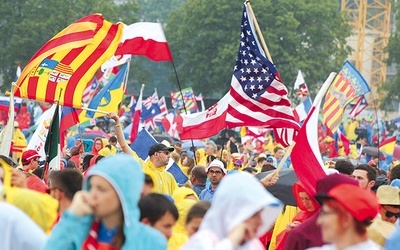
(125, 174)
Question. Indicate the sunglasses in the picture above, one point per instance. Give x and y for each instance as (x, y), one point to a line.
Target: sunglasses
(391, 214)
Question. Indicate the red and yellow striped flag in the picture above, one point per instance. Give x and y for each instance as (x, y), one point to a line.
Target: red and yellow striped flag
(347, 85)
(69, 61)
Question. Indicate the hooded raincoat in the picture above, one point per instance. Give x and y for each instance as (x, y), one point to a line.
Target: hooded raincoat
(125, 175)
(239, 197)
(18, 231)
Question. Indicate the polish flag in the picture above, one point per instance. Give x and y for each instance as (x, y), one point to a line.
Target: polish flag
(306, 156)
(170, 126)
(136, 117)
(203, 124)
(145, 39)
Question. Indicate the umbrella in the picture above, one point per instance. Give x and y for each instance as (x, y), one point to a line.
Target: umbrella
(186, 145)
(283, 188)
(92, 134)
(373, 151)
(396, 153)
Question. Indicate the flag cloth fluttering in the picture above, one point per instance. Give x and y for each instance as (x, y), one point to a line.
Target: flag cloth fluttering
(110, 96)
(52, 144)
(348, 85)
(258, 98)
(69, 61)
(145, 39)
(90, 90)
(69, 117)
(136, 116)
(189, 99)
(306, 156)
(38, 138)
(359, 107)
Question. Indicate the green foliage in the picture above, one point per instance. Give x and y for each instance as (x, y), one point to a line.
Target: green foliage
(390, 89)
(27, 25)
(157, 10)
(307, 35)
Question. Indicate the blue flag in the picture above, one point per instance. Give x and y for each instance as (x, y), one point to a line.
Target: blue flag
(141, 146)
(109, 96)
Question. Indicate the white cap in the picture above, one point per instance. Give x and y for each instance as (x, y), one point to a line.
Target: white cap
(217, 164)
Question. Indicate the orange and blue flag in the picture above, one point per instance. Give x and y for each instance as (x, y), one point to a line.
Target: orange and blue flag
(69, 61)
(348, 85)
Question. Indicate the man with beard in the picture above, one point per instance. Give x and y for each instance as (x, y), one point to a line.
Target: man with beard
(215, 172)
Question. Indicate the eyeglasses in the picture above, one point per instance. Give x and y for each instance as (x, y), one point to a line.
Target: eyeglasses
(391, 214)
(214, 172)
(165, 152)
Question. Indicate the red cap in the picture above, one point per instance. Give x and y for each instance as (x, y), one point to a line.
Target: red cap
(28, 156)
(359, 202)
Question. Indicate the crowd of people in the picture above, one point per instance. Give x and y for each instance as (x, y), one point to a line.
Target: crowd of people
(110, 198)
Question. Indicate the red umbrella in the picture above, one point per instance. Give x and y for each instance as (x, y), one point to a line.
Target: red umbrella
(396, 152)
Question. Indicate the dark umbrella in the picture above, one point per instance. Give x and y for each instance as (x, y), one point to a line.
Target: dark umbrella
(373, 151)
(283, 188)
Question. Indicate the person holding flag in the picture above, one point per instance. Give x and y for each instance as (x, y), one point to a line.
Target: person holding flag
(155, 167)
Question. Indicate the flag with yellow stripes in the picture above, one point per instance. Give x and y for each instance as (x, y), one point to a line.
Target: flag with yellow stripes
(347, 85)
(63, 67)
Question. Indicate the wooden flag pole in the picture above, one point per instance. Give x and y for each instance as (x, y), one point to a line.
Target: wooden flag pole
(284, 158)
(265, 47)
(247, 2)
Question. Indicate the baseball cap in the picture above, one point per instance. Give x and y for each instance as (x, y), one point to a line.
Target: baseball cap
(159, 147)
(218, 164)
(330, 181)
(238, 162)
(359, 202)
(28, 156)
(270, 159)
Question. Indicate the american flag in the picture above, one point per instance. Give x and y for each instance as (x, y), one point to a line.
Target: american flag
(90, 90)
(358, 107)
(258, 96)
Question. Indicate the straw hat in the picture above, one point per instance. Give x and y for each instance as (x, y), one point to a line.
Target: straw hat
(388, 195)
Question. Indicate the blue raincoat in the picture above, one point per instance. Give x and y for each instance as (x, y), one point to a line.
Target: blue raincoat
(125, 175)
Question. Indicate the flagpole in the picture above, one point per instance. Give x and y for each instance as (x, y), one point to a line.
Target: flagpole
(184, 105)
(95, 110)
(126, 80)
(247, 2)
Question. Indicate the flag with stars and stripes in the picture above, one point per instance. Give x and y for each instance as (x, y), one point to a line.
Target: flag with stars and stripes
(258, 98)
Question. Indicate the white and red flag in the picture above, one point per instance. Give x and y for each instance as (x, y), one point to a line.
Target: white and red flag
(145, 39)
(306, 156)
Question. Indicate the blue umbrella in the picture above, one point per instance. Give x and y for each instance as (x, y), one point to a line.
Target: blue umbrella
(186, 145)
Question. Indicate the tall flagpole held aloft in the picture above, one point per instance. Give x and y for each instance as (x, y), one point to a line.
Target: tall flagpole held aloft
(260, 36)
